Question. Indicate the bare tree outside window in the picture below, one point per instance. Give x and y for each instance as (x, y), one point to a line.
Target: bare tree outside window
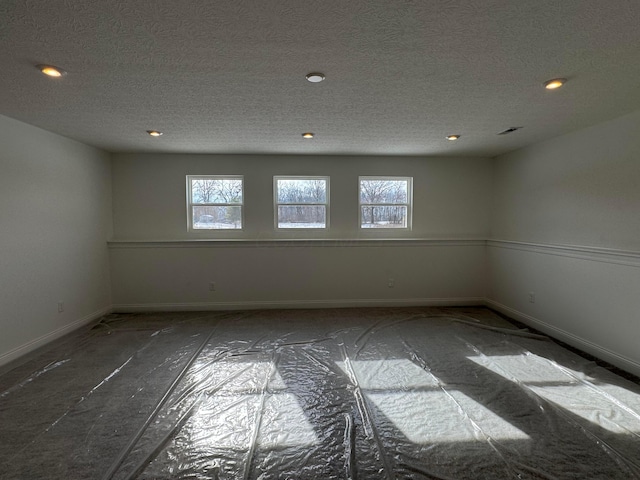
(215, 202)
(301, 202)
(385, 202)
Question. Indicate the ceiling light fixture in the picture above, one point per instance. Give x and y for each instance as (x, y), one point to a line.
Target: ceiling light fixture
(51, 71)
(315, 77)
(554, 83)
(154, 133)
(452, 137)
(308, 135)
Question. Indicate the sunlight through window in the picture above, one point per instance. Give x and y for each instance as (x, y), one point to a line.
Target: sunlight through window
(390, 374)
(608, 406)
(421, 408)
(236, 402)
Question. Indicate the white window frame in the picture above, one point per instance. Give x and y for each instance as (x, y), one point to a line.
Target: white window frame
(408, 204)
(276, 204)
(190, 204)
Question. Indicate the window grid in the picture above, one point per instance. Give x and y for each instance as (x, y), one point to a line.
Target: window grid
(215, 202)
(301, 202)
(385, 202)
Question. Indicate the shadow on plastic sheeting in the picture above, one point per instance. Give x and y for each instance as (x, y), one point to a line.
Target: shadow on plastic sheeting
(352, 393)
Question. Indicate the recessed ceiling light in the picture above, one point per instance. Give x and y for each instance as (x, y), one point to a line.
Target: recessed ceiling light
(51, 71)
(554, 83)
(308, 135)
(154, 133)
(315, 77)
(452, 137)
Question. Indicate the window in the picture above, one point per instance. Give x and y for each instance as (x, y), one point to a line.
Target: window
(385, 202)
(214, 202)
(301, 202)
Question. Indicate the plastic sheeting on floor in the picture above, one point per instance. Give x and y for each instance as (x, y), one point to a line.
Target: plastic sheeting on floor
(405, 393)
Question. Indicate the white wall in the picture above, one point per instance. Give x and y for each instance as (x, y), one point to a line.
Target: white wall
(55, 219)
(567, 214)
(564, 224)
(451, 200)
(451, 195)
(176, 276)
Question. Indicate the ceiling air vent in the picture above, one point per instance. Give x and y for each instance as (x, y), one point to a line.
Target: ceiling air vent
(509, 130)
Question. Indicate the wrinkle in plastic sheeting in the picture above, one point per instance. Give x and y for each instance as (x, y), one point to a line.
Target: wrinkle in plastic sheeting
(352, 394)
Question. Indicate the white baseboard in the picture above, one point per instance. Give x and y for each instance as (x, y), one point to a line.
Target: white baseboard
(289, 304)
(594, 349)
(570, 338)
(50, 337)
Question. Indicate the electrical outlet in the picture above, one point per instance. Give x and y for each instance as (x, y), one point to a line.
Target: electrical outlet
(532, 297)
(212, 286)
(391, 283)
(60, 307)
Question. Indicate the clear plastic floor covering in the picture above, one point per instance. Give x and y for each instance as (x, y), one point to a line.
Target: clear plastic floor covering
(405, 393)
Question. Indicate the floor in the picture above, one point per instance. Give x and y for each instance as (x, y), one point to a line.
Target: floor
(385, 393)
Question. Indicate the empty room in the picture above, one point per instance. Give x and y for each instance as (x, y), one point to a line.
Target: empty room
(320, 240)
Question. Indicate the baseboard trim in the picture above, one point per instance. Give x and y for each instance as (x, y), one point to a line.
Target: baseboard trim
(32, 345)
(291, 304)
(587, 346)
(592, 348)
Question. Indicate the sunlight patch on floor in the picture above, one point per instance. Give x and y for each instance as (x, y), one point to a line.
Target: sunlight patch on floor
(413, 400)
(228, 415)
(608, 406)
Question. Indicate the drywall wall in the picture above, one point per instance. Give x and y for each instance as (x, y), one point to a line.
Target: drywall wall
(55, 219)
(178, 276)
(451, 195)
(578, 189)
(451, 199)
(565, 215)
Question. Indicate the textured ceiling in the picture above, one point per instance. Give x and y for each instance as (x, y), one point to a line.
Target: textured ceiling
(228, 76)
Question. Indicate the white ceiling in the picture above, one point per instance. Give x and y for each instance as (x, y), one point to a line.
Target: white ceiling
(229, 76)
